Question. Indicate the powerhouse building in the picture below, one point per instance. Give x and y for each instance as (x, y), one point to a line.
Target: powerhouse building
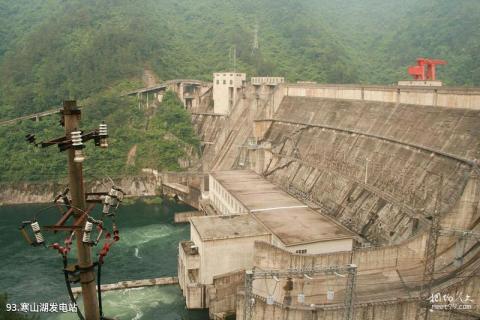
(250, 209)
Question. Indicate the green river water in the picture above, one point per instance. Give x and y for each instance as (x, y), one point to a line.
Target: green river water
(147, 249)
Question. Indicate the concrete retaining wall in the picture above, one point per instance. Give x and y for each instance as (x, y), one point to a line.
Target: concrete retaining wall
(223, 292)
(374, 166)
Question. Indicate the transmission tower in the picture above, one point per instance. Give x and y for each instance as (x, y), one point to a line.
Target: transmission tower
(255, 45)
(430, 255)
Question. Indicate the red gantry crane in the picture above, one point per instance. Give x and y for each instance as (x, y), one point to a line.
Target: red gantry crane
(425, 69)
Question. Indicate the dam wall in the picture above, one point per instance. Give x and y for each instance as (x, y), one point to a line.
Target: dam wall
(431, 96)
(379, 160)
(378, 168)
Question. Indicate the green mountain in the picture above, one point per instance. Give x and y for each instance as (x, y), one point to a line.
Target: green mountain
(383, 37)
(92, 50)
(51, 50)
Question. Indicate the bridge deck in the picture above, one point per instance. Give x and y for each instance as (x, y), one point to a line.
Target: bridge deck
(30, 116)
(133, 284)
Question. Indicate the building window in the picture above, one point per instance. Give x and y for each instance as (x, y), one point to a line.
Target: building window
(301, 251)
(218, 81)
(231, 81)
(224, 81)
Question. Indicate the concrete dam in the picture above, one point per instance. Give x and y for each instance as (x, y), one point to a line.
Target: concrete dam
(394, 169)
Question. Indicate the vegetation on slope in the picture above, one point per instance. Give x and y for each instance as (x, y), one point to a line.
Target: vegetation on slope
(386, 36)
(55, 50)
(168, 138)
(92, 50)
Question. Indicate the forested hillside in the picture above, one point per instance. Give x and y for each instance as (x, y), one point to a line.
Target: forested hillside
(386, 36)
(92, 50)
(50, 50)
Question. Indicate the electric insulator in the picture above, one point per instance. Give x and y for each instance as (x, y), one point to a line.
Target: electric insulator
(107, 200)
(36, 230)
(39, 238)
(103, 134)
(77, 144)
(120, 194)
(113, 196)
(87, 231)
(79, 156)
(35, 226)
(301, 298)
(330, 295)
(106, 208)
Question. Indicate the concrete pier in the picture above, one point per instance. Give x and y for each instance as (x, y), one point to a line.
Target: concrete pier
(183, 217)
(133, 284)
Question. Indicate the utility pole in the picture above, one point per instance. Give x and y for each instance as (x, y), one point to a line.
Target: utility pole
(83, 270)
(75, 178)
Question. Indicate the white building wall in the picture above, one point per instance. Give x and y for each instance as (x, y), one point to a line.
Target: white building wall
(315, 247)
(224, 255)
(322, 247)
(222, 200)
(226, 90)
(273, 81)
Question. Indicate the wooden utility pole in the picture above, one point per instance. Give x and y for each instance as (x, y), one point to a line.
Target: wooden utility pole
(75, 179)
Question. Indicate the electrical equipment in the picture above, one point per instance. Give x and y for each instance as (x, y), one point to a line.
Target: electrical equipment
(103, 134)
(425, 69)
(77, 145)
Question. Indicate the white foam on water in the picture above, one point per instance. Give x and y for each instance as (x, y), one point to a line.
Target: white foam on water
(138, 316)
(132, 303)
(135, 237)
(136, 253)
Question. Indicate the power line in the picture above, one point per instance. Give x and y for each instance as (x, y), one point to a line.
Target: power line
(251, 275)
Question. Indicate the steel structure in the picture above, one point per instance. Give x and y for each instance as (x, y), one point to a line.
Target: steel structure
(425, 69)
(251, 275)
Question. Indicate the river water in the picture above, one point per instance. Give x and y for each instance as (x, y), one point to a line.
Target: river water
(147, 249)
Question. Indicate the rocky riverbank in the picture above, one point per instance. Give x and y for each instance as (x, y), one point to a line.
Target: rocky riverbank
(45, 192)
